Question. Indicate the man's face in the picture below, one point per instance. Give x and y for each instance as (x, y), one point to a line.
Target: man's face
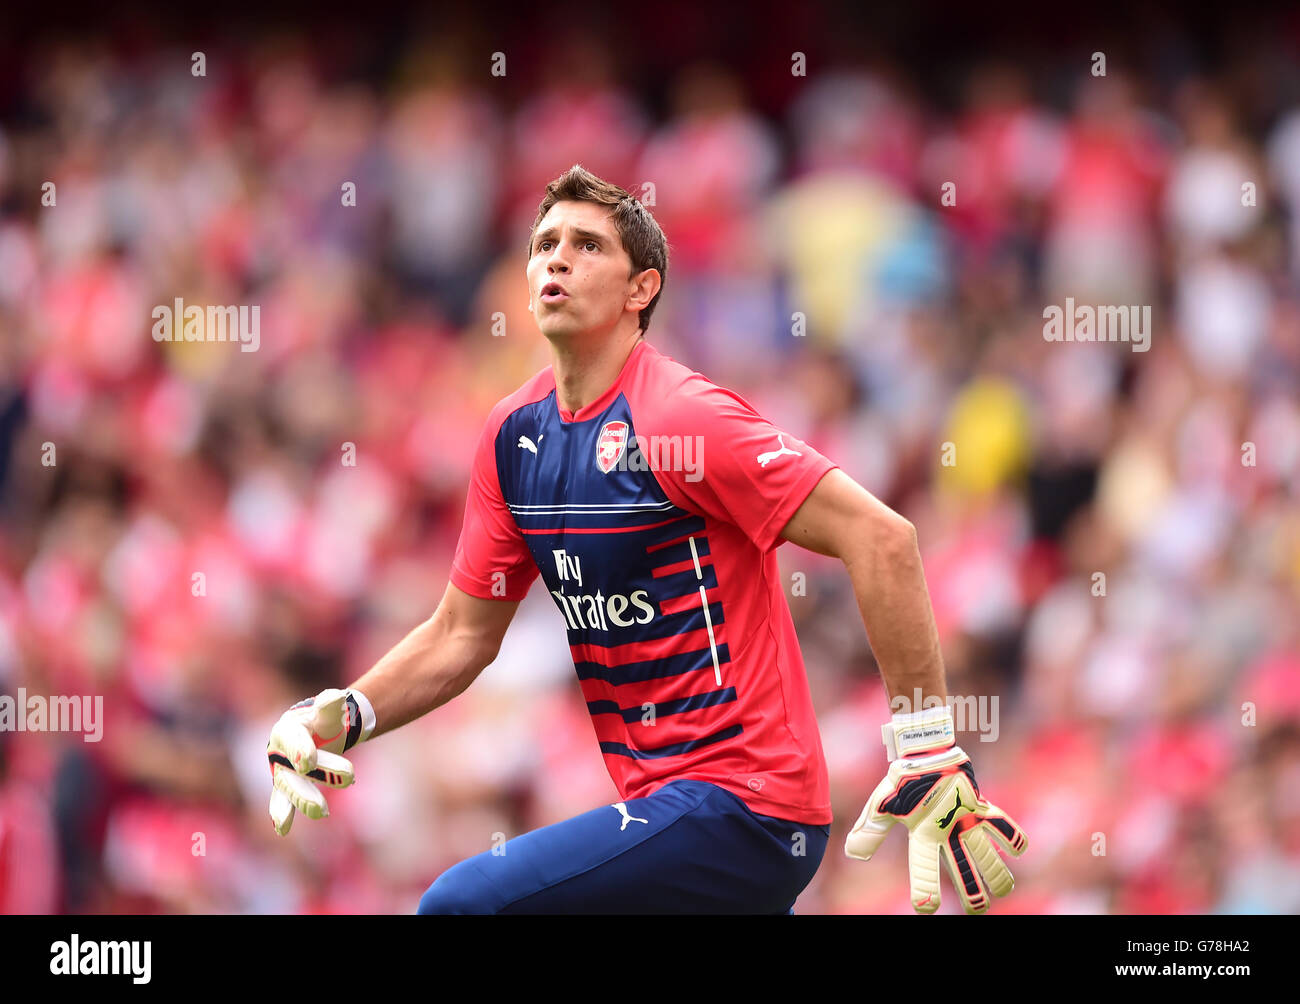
(577, 247)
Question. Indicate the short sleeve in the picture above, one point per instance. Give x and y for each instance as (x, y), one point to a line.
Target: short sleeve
(746, 471)
(492, 560)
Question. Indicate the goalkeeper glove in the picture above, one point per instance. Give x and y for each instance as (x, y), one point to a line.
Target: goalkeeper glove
(931, 789)
(305, 745)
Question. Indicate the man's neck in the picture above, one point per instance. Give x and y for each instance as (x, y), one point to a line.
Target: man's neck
(583, 373)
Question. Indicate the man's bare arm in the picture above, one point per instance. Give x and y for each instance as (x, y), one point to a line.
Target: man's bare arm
(438, 660)
(842, 519)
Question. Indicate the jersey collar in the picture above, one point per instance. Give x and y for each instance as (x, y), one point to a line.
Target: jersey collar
(597, 406)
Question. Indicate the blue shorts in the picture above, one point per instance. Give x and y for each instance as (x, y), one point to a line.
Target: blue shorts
(691, 847)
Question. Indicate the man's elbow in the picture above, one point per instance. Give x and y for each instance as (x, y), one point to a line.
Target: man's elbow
(902, 530)
(457, 648)
(473, 652)
(469, 659)
(485, 655)
(886, 534)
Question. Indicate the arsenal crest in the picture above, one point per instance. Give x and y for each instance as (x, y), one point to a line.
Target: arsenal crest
(610, 445)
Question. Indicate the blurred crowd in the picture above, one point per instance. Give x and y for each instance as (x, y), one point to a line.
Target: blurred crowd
(1111, 537)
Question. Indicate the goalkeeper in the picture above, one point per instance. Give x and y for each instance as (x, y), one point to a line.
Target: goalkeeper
(662, 566)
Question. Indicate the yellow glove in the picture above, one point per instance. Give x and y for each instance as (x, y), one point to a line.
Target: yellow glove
(931, 789)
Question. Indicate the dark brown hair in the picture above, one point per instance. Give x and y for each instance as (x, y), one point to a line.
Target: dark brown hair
(641, 236)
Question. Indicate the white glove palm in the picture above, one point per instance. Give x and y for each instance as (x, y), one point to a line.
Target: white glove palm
(305, 745)
(934, 794)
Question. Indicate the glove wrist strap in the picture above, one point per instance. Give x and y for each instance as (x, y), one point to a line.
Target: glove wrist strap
(360, 719)
(918, 732)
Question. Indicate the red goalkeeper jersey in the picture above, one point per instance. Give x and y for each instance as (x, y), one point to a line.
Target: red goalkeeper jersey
(653, 515)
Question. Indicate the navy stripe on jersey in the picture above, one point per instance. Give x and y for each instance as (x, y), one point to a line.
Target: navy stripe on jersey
(606, 522)
(598, 517)
(694, 620)
(674, 554)
(580, 508)
(674, 749)
(665, 708)
(687, 582)
(651, 669)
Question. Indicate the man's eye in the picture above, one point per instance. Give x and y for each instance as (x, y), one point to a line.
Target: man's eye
(543, 245)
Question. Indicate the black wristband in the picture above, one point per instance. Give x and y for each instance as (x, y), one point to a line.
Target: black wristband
(352, 717)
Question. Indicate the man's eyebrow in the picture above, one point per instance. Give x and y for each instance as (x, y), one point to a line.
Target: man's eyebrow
(577, 232)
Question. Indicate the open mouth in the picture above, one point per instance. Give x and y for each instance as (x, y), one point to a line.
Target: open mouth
(553, 292)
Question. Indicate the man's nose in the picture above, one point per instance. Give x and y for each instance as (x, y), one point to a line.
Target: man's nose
(559, 260)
